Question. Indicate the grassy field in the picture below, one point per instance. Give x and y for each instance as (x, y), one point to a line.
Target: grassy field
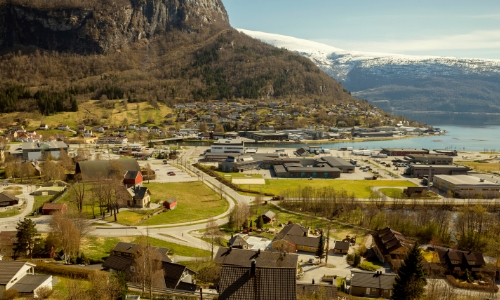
(39, 201)
(360, 188)
(129, 217)
(98, 248)
(391, 192)
(195, 202)
(9, 213)
(480, 167)
(13, 190)
(238, 175)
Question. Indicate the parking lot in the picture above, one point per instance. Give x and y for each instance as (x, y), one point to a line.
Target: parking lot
(161, 171)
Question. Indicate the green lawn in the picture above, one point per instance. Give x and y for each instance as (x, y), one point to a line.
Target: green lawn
(9, 213)
(360, 188)
(238, 175)
(129, 217)
(39, 201)
(392, 192)
(195, 202)
(98, 248)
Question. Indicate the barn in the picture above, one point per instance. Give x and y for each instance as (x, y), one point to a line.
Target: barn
(170, 204)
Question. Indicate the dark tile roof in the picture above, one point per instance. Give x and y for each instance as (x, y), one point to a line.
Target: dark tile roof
(388, 240)
(93, 169)
(466, 258)
(8, 238)
(264, 259)
(132, 249)
(317, 291)
(237, 240)
(9, 269)
(293, 229)
(173, 274)
(372, 280)
(303, 240)
(29, 283)
(339, 245)
(131, 174)
(267, 284)
(116, 262)
(4, 196)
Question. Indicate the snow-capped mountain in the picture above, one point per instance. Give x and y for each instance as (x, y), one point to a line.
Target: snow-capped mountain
(396, 81)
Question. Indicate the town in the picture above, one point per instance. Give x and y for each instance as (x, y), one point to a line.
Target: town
(216, 220)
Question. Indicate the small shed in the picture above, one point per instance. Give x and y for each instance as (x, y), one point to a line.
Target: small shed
(52, 208)
(341, 247)
(268, 216)
(170, 203)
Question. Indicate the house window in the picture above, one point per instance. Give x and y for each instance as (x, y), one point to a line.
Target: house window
(132, 269)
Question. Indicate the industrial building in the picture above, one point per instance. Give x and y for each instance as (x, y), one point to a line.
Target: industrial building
(430, 159)
(431, 170)
(403, 151)
(36, 151)
(466, 186)
(228, 146)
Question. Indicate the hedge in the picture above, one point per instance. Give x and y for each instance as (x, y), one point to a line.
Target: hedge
(462, 285)
(227, 182)
(62, 270)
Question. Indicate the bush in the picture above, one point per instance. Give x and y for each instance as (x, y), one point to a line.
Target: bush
(368, 266)
(464, 285)
(44, 292)
(10, 294)
(62, 270)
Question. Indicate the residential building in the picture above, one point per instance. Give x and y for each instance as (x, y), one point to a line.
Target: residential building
(341, 247)
(43, 127)
(122, 259)
(390, 246)
(132, 179)
(228, 146)
(7, 199)
(36, 151)
(249, 275)
(268, 217)
(20, 276)
(298, 236)
(466, 186)
(458, 262)
(316, 291)
(372, 284)
(92, 170)
(52, 208)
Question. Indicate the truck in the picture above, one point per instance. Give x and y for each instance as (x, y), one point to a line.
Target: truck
(357, 152)
(353, 162)
(326, 151)
(374, 177)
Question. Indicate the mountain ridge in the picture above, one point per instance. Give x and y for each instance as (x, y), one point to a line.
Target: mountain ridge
(379, 77)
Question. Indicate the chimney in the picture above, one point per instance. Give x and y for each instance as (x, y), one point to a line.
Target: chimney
(313, 281)
(252, 268)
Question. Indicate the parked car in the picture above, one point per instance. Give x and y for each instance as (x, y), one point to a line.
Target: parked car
(171, 173)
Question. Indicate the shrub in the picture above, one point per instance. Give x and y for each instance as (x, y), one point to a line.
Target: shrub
(368, 266)
(62, 270)
(44, 292)
(10, 294)
(464, 285)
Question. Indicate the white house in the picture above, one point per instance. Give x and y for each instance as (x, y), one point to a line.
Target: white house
(20, 276)
(63, 127)
(43, 127)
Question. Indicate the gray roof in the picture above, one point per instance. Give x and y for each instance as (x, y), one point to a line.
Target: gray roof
(29, 283)
(372, 280)
(264, 259)
(267, 284)
(237, 240)
(292, 229)
(337, 161)
(92, 169)
(269, 214)
(303, 240)
(9, 269)
(131, 174)
(53, 145)
(339, 245)
(317, 291)
(467, 180)
(132, 248)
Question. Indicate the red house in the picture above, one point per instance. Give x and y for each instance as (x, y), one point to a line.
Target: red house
(170, 204)
(132, 178)
(52, 208)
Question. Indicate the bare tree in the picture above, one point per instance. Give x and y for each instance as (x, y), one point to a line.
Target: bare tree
(68, 230)
(78, 193)
(212, 233)
(239, 214)
(147, 270)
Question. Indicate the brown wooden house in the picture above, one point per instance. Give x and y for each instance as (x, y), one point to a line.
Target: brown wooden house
(371, 284)
(390, 246)
(52, 208)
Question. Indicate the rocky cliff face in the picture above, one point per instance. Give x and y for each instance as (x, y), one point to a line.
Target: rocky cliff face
(104, 26)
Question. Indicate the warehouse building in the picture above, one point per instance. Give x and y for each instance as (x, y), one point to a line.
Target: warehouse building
(467, 186)
(430, 159)
(431, 170)
(403, 151)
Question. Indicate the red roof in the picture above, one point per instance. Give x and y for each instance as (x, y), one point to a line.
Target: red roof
(53, 206)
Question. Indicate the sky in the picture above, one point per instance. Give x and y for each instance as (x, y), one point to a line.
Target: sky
(456, 28)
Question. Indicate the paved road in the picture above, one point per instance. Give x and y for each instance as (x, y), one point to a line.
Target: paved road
(10, 222)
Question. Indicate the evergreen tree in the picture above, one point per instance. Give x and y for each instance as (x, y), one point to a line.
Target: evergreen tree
(320, 252)
(410, 281)
(26, 237)
(259, 222)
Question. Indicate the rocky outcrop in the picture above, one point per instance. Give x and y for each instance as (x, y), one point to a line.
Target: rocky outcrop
(106, 25)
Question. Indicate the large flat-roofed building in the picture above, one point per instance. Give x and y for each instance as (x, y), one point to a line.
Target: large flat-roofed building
(340, 163)
(267, 136)
(467, 186)
(228, 146)
(306, 168)
(35, 151)
(430, 159)
(403, 151)
(432, 170)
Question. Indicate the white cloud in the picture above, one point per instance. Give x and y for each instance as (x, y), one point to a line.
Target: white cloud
(482, 39)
